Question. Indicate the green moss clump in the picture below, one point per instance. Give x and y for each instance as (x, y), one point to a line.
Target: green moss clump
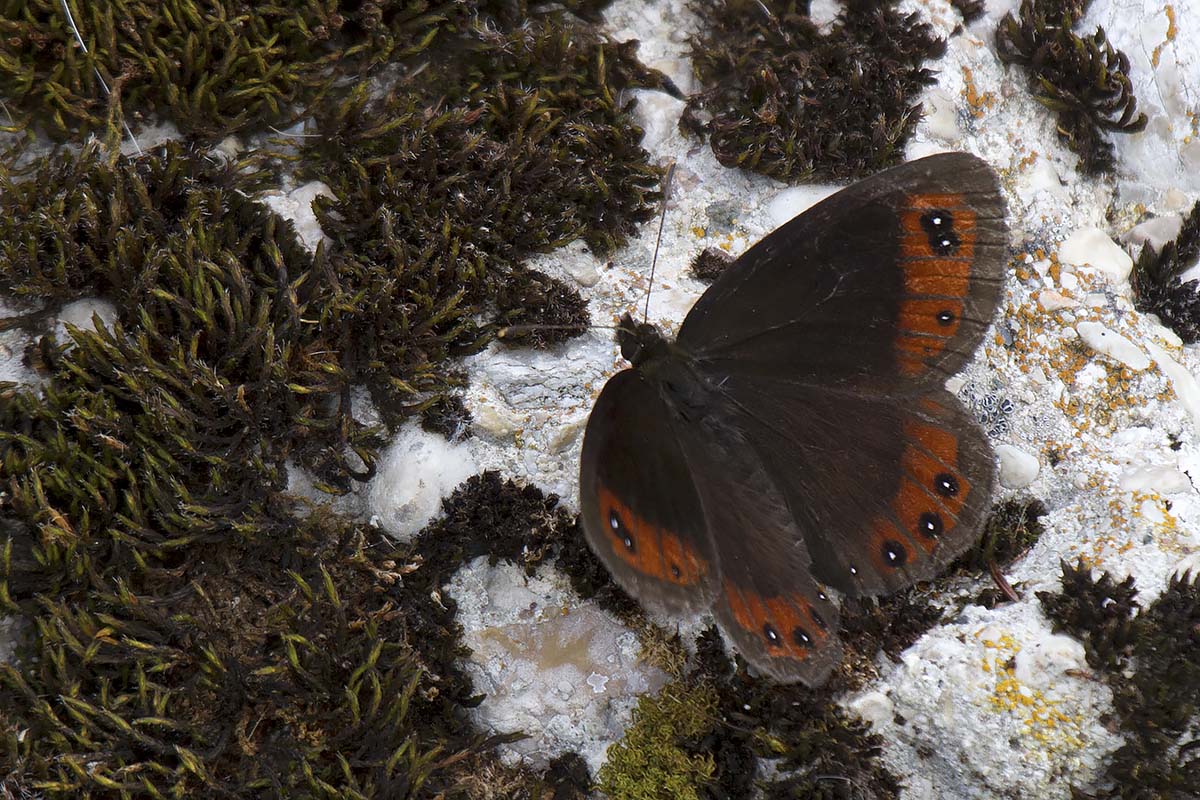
(650, 763)
(497, 151)
(806, 735)
(1158, 287)
(1084, 79)
(786, 100)
(1151, 660)
(1098, 612)
(276, 668)
(212, 67)
(971, 10)
(159, 430)
(1010, 530)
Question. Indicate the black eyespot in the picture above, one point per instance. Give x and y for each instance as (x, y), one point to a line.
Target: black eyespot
(946, 485)
(930, 525)
(801, 637)
(675, 570)
(938, 225)
(945, 318)
(771, 635)
(618, 529)
(817, 618)
(894, 553)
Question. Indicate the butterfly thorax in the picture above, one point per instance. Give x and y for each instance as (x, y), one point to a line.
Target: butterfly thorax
(667, 366)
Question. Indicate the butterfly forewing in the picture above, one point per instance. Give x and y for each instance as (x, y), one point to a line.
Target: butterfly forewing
(640, 509)
(890, 282)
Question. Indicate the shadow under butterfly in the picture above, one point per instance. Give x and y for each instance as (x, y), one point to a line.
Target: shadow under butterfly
(797, 435)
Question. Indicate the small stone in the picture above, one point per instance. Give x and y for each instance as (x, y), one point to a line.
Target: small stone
(566, 434)
(1042, 660)
(598, 682)
(1018, 469)
(1187, 390)
(493, 420)
(583, 271)
(413, 476)
(941, 117)
(1113, 345)
(1050, 300)
(1092, 247)
(1159, 479)
(722, 215)
(792, 201)
(874, 707)
(1155, 232)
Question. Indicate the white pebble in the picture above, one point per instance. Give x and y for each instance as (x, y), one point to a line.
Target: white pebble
(796, 199)
(1044, 658)
(583, 271)
(1113, 345)
(1155, 232)
(1018, 469)
(415, 473)
(874, 707)
(1092, 247)
(1160, 479)
(1182, 381)
(1050, 300)
(941, 119)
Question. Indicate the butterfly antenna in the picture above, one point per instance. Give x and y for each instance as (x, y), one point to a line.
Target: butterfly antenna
(662, 218)
(108, 92)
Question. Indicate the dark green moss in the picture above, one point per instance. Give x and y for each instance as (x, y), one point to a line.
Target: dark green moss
(888, 624)
(971, 10)
(787, 100)
(1011, 529)
(212, 68)
(1158, 287)
(497, 517)
(279, 667)
(1098, 612)
(1084, 79)
(192, 631)
(710, 263)
(1151, 660)
(817, 749)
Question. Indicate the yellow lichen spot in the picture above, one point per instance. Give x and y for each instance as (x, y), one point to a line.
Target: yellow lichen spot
(1172, 32)
(978, 102)
(1036, 716)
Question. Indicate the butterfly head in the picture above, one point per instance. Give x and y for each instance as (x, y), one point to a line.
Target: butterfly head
(639, 341)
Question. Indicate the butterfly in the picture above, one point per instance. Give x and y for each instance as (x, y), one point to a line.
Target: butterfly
(797, 436)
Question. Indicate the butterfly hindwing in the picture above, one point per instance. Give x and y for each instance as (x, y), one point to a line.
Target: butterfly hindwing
(767, 602)
(641, 512)
(891, 281)
(886, 490)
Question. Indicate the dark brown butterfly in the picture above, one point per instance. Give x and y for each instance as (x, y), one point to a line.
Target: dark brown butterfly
(797, 434)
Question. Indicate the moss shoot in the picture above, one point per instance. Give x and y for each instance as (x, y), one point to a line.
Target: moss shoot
(1084, 79)
(1150, 657)
(1158, 284)
(787, 100)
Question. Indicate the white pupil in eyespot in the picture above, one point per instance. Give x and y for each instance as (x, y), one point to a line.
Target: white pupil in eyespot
(612, 520)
